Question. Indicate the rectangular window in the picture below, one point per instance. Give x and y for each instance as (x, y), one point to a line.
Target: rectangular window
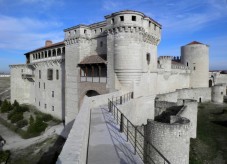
(155, 27)
(85, 31)
(44, 86)
(149, 23)
(57, 74)
(100, 29)
(22, 70)
(52, 93)
(122, 18)
(112, 21)
(39, 103)
(50, 74)
(194, 68)
(39, 74)
(133, 18)
(39, 84)
(52, 108)
(45, 106)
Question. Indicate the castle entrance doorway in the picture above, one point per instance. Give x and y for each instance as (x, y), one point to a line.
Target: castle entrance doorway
(210, 83)
(91, 93)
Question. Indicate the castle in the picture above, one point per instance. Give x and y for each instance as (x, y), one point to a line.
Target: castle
(120, 53)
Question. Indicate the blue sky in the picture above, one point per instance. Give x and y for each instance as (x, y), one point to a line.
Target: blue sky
(26, 24)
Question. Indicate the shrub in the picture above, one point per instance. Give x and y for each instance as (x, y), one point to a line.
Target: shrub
(31, 120)
(6, 106)
(46, 117)
(16, 117)
(15, 103)
(4, 155)
(37, 127)
(22, 123)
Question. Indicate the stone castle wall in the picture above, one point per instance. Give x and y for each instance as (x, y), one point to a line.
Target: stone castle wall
(199, 94)
(172, 140)
(20, 88)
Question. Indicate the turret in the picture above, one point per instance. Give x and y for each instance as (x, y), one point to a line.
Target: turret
(132, 40)
(195, 55)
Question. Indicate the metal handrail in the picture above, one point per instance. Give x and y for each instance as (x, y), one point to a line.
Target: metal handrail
(132, 137)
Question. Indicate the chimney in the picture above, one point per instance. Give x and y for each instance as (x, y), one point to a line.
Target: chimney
(48, 43)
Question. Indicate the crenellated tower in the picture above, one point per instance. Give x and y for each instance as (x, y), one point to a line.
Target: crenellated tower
(132, 40)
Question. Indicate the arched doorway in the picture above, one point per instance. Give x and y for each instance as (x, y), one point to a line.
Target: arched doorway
(200, 99)
(91, 93)
(210, 83)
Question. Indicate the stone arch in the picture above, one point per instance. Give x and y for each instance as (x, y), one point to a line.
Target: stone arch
(210, 83)
(84, 87)
(92, 93)
(58, 52)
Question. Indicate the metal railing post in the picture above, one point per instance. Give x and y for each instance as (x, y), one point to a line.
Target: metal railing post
(122, 123)
(120, 100)
(117, 116)
(135, 140)
(127, 130)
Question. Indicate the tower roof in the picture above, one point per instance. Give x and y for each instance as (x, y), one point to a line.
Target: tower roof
(194, 42)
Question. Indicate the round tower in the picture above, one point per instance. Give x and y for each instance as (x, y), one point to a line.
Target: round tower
(218, 93)
(195, 55)
(132, 45)
(171, 139)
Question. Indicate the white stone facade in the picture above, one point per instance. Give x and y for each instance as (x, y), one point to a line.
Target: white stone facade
(123, 49)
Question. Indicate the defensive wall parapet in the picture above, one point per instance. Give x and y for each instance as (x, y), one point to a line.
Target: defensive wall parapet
(75, 148)
(172, 140)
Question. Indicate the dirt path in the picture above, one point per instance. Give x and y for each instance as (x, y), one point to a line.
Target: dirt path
(14, 141)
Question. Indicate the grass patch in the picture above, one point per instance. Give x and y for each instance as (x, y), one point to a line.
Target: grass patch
(4, 156)
(211, 134)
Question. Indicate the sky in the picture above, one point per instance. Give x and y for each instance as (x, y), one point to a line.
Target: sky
(26, 24)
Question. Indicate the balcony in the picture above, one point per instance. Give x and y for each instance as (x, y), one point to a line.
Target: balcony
(93, 79)
(27, 76)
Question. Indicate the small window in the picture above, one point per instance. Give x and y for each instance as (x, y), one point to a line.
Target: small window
(39, 74)
(39, 84)
(194, 68)
(133, 18)
(22, 70)
(85, 31)
(149, 23)
(187, 64)
(52, 93)
(155, 27)
(44, 86)
(112, 21)
(52, 108)
(100, 29)
(122, 18)
(74, 31)
(57, 74)
(45, 106)
(39, 103)
(101, 44)
(221, 93)
(148, 58)
(95, 31)
(50, 74)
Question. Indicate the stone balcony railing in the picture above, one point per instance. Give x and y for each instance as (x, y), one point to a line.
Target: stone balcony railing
(93, 79)
(27, 76)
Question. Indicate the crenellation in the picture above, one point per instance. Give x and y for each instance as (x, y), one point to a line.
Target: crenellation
(121, 54)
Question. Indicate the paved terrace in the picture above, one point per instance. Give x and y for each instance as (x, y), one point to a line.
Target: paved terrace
(106, 143)
(95, 137)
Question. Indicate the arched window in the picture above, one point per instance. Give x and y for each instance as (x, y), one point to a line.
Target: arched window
(187, 64)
